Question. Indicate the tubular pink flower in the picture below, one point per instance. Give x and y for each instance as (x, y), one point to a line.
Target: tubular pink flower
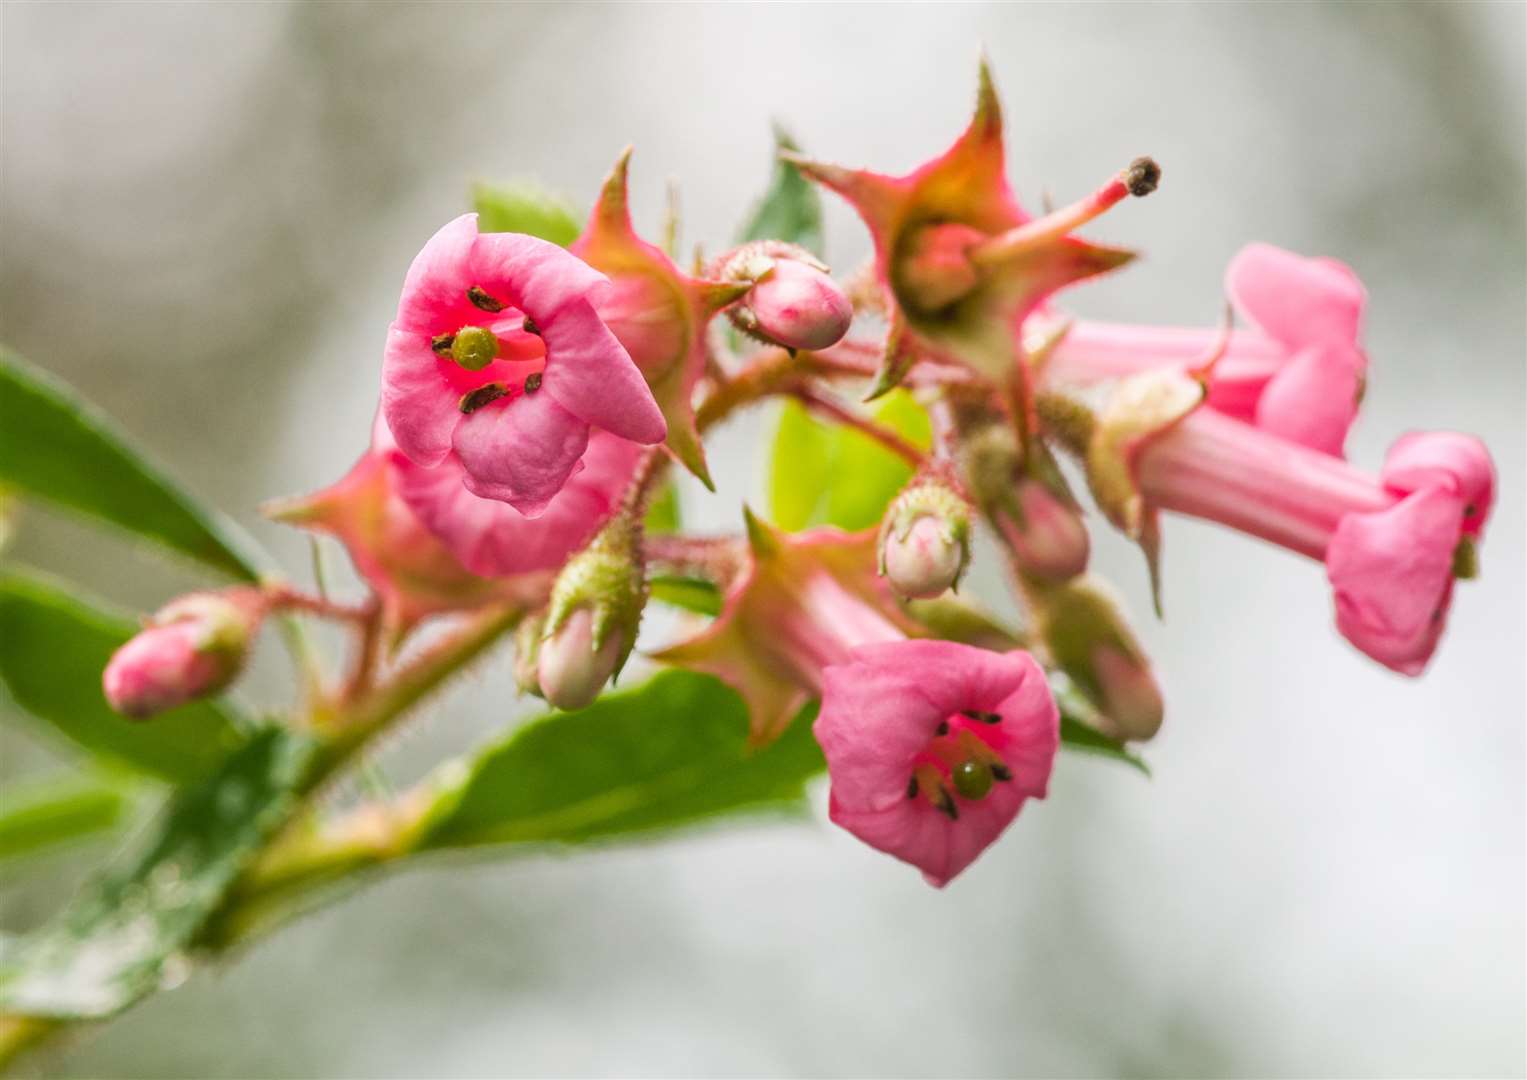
(1392, 545)
(933, 747)
(1297, 372)
(498, 359)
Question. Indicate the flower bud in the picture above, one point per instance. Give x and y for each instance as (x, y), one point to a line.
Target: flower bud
(1089, 637)
(527, 654)
(925, 538)
(192, 648)
(591, 622)
(934, 268)
(1047, 537)
(793, 301)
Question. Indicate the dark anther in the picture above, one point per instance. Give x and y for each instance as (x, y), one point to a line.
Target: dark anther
(912, 788)
(946, 804)
(482, 300)
(943, 727)
(483, 395)
(981, 717)
(1001, 772)
(532, 382)
(1143, 176)
(530, 327)
(442, 343)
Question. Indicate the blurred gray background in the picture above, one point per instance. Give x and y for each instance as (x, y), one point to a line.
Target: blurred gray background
(206, 214)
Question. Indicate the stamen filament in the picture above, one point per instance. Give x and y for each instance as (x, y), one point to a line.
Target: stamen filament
(1139, 179)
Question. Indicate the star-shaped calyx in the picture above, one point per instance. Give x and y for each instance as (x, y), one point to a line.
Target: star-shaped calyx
(960, 262)
(801, 602)
(658, 312)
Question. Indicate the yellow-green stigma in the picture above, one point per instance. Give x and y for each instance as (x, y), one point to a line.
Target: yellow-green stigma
(474, 347)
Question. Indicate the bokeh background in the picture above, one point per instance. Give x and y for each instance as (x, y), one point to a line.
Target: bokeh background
(205, 216)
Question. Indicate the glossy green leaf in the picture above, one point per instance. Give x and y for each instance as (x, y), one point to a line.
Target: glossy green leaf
(791, 210)
(829, 474)
(56, 448)
(45, 814)
(55, 646)
(670, 752)
(120, 939)
(692, 594)
(526, 207)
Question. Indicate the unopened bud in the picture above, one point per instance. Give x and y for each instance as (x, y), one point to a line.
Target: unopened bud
(793, 301)
(1091, 640)
(933, 268)
(591, 622)
(925, 538)
(191, 648)
(1046, 534)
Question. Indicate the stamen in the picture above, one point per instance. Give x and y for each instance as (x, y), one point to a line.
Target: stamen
(483, 395)
(946, 804)
(480, 299)
(532, 382)
(441, 343)
(1001, 772)
(530, 327)
(981, 717)
(943, 728)
(912, 787)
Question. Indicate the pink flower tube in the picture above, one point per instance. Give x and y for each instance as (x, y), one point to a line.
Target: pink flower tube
(1392, 545)
(498, 359)
(1297, 372)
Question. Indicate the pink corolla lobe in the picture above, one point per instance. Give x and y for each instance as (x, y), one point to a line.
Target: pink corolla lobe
(933, 747)
(497, 359)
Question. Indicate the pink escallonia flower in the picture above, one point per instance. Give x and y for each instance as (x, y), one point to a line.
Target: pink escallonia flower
(498, 359)
(1297, 372)
(1392, 545)
(412, 570)
(192, 647)
(933, 748)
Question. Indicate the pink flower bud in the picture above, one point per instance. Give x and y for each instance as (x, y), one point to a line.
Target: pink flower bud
(192, 648)
(793, 301)
(572, 668)
(1131, 696)
(925, 561)
(1090, 639)
(1048, 538)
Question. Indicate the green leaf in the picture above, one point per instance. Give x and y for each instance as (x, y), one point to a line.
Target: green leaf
(56, 448)
(830, 474)
(791, 210)
(1077, 730)
(44, 814)
(692, 594)
(114, 943)
(525, 207)
(56, 645)
(670, 752)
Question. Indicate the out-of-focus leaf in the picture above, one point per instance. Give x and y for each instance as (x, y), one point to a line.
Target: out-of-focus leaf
(55, 646)
(45, 814)
(1078, 731)
(829, 474)
(56, 448)
(670, 752)
(121, 937)
(791, 210)
(525, 207)
(663, 513)
(692, 594)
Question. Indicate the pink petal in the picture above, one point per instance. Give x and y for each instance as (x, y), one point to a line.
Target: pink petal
(950, 677)
(1391, 574)
(590, 374)
(1297, 300)
(1312, 400)
(438, 279)
(540, 278)
(1445, 459)
(420, 408)
(521, 452)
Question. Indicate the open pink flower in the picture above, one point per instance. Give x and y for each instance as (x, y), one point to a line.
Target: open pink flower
(1296, 372)
(933, 747)
(1392, 545)
(498, 359)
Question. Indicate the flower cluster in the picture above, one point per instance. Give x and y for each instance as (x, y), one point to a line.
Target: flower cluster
(534, 396)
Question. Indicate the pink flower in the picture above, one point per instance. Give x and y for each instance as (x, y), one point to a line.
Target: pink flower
(1297, 372)
(191, 648)
(498, 359)
(933, 747)
(1392, 545)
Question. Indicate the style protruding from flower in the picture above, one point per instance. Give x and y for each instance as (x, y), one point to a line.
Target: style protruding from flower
(925, 536)
(658, 312)
(592, 619)
(497, 359)
(933, 747)
(191, 648)
(960, 262)
(1297, 372)
(793, 302)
